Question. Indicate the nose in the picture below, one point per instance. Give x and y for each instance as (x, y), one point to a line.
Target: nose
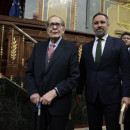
(54, 26)
(99, 24)
(125, 40)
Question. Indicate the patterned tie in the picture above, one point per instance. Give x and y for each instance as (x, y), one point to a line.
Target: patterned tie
(51, 49)
(98, 52)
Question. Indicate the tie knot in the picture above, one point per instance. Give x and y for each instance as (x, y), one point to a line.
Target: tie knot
(99, 40)
(52, 45)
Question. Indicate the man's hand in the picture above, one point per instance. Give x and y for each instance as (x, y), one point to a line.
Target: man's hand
(48, 97)
(35, 98)
(79, 99)
(125, 100)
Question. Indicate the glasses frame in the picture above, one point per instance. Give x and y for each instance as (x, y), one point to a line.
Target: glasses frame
(51, 25)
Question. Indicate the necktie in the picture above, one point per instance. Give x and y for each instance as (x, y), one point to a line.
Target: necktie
(51, 49)
(98, 52)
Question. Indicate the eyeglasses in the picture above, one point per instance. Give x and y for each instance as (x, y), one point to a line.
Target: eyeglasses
(51, 25)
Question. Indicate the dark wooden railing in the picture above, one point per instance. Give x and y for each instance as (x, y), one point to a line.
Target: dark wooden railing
(17, 39)
(12, 62)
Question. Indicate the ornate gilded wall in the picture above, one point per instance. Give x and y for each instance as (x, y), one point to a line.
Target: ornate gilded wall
(78, 14)
(118, 12)
(119, 19)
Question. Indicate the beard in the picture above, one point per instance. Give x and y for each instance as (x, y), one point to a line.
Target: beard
(100, 33)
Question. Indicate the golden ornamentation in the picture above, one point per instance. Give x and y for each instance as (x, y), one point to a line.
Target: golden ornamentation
(73, 15)
(1, 50)
(21, 84)
(23, 51)
(123, 16)
(1, 75)
(54, 6)
(120, 1)
(43, 11)
(22, 61)
(13, 53)
(11, 77)
(22, 75)
(127, 1)
(75, 18)
(102, 6)
(80, 52)
(38, 6)
(13, 49)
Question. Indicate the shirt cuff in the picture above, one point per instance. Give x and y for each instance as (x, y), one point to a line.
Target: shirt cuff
(57, 92)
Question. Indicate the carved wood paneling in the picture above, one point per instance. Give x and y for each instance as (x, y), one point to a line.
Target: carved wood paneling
(38, 32)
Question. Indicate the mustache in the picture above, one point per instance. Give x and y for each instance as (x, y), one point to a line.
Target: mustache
(99, 28)
(54, 31)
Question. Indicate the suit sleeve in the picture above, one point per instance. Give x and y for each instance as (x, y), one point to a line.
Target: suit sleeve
(29, 78)
(125, 70)
(71, 82)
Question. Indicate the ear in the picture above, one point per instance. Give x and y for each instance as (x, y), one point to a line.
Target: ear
(108, 24)
(63, 29)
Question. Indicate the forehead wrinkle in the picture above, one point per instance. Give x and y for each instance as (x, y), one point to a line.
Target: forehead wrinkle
(100, 18)
(54, 19)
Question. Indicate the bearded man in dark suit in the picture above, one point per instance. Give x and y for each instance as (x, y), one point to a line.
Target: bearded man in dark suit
(52, 74)
(100, 74)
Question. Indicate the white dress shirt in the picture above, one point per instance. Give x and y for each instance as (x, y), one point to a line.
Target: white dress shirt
(56, 44)
(103, 42)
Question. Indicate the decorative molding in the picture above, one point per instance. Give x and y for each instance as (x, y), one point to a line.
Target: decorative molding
(119, 32)
(70, 15)
(58, 8)
(87, 13)
(102, 6)
(1, 49)
(123, 16)
(13, 54)
(2, 41)
(75, 18)
(127, 1)
(79, 52)
(119, 20)
(37, 6)
(41, 9)
(120, 1)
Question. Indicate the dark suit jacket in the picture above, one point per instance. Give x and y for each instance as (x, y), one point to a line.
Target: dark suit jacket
(105, 80)
(62, 72)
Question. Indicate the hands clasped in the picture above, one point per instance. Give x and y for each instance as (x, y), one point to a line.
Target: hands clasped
(45, 99)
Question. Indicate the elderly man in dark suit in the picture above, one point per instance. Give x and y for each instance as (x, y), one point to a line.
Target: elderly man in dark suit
(99, 65)
(52, 74)
(126, 38)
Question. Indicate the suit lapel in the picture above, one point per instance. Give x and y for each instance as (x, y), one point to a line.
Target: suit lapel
(90, 54)
(43, 55)
(106, 52)
(91, 50)
(57, 53)
(107, 49)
